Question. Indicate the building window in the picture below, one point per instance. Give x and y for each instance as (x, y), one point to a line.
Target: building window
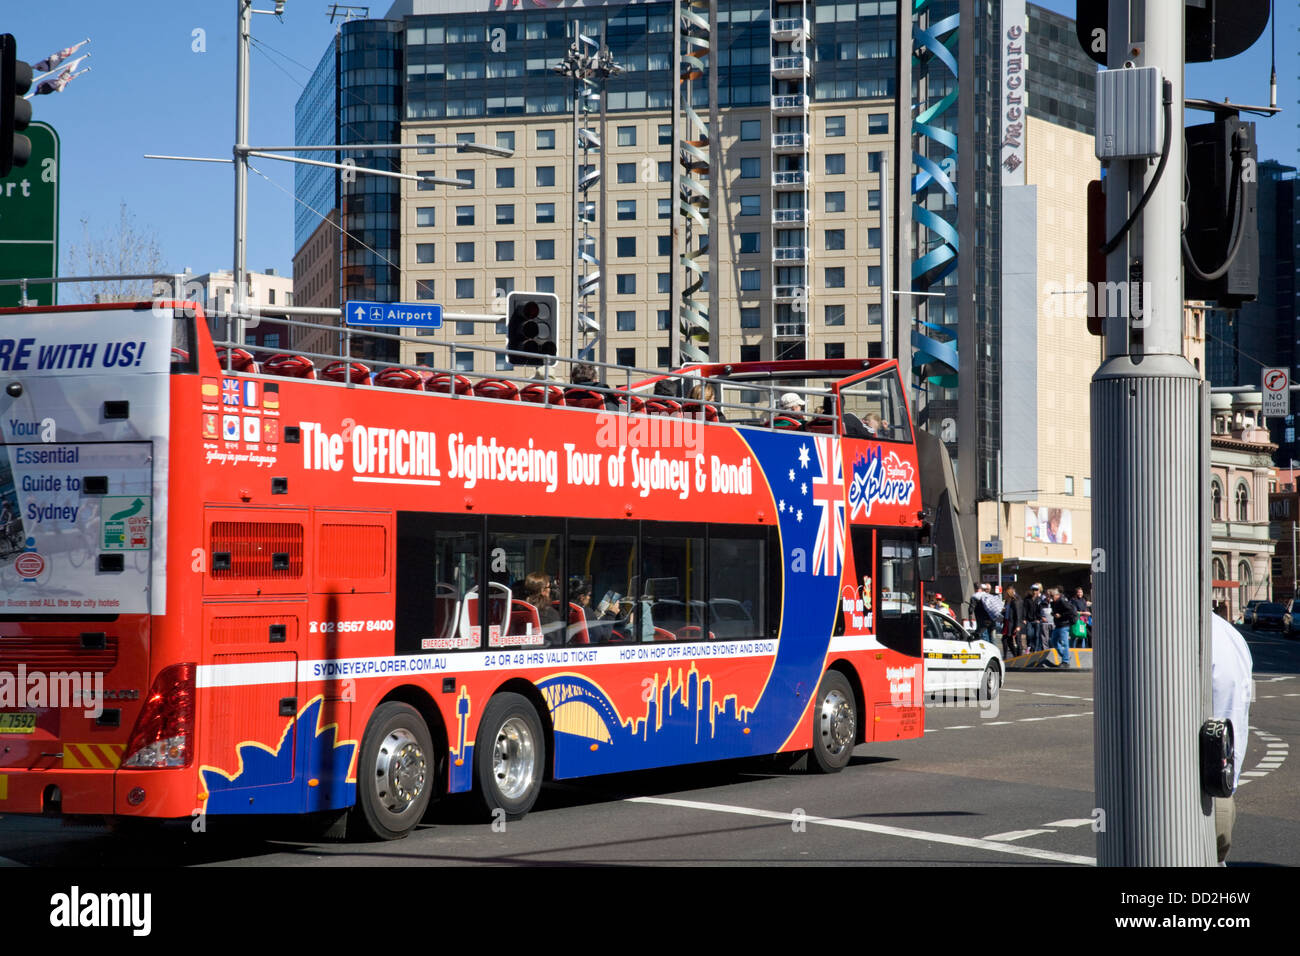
(834, 314)
(873, 275)
(425, 252)
(424, 289)
(835, 278)
(834, 126)
(546, 212)
(625, 322)
(464, 252)
(875, 314)
(750, 353)
(464, 288)
(426, 139)
(1087, 487)
(506, 140)
(546, 175)
(1069, 484)
(544, 284)
(750, 280)
(665, 282)
(625, 357)
(426, 216)
(834, 164)
(751, 205)
(834, 239)
(625, 247)
(627, 136)
(503, 363)
(750, 242)
(1243, 503)
(464, 138)
(877, 123)
(751, 168)
(464, 361)
(627, 172)
(545, 248)
(751, 129)
(665, 172)
(665, 208)
(873, 237)
(749, 318)
(626, 283)
(424, 185)
(1243, 576)
(505, 251)
(663, 358)
(466, 176)
(835, 350)
(464, 328)
(835, 202)
(662, 319)
(873, 161)
(665, 245)
(627, 209)
(665, 134)
(505, 214)
(546, 139)
(1216, 501)
(506, 177)
(464, 215)
(873, 198)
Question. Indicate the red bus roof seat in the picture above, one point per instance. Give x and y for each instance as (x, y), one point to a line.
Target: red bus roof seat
(662, 634)
(695, 409)
(241, 360)
(536, 394)
(407, 378)
(341, 371)
(583, 398)
(442, 382)
(291, 366)
(497, 388)
(787, 421)
(662, 406)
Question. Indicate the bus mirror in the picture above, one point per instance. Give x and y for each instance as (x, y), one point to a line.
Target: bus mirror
(925, 566)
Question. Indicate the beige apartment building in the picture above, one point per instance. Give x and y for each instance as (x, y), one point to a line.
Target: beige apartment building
(513, 231)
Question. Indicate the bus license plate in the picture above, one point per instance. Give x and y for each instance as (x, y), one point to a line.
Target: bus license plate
(20, 723)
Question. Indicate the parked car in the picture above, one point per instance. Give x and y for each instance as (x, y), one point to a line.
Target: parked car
(958, 662)
(1295, 618)
(1248, 612)
(1269, 616)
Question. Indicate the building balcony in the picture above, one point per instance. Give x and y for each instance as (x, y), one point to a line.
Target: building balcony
(789, 253)
(789, 293)
(790, 104)
(789, 179)
(1251, 534)
(787, 216)
(790, 142)
(789, 29)
(791, 67)
(788, 330)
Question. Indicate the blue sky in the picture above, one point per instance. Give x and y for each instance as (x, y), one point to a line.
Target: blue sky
(150, 91)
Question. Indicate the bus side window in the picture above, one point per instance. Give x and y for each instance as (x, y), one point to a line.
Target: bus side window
(672, 602)
(737, 584)
(602, 573)
(438, 562)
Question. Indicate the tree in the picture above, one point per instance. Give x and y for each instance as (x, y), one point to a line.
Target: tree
(126, 250)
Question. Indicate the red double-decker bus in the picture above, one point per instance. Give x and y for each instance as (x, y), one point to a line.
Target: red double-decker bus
(291, 588)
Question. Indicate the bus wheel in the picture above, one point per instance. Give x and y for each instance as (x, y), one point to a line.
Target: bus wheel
(836, 727)
(395, 773)
(509, 756)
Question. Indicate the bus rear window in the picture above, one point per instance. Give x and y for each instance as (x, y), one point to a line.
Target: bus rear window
(183, 342)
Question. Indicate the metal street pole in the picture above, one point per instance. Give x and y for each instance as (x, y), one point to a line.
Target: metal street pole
(244, 37)
(1150, 459)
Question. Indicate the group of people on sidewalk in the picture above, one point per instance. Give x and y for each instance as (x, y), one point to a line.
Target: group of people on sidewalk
(1041, 621)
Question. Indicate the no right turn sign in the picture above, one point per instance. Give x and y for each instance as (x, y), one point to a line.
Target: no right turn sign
(1277, 393)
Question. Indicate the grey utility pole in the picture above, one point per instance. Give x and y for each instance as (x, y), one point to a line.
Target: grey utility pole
(1149, 455)
(243, 38)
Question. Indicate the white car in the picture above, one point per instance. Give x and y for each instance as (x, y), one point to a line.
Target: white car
(957, 662)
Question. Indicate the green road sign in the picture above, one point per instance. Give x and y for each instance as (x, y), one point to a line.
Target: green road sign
(29, 220)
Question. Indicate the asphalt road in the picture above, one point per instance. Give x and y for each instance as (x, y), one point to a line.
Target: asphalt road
(1004, 785)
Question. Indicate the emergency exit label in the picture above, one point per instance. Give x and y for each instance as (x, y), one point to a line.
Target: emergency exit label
(1277, 393)
(125, 522)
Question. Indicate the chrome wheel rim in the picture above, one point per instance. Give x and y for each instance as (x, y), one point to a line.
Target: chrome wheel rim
(401, 771)
(514, 758)
(838, 725)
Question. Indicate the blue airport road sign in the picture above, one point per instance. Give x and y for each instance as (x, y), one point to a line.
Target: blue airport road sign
(400, 314)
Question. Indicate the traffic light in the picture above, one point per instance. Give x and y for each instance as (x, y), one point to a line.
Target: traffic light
(531, 326)
(15, 112)
(1221, 249)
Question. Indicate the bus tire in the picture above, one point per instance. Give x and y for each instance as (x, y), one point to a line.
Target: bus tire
(835, 724)
(395, 774)
(509, 757)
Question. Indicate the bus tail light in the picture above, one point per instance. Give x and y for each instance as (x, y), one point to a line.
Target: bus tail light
(163, 735)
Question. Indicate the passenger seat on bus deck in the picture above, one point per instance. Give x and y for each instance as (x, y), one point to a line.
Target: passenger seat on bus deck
(577, 631)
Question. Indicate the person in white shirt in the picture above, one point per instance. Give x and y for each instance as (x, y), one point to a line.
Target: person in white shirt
(1231, 694)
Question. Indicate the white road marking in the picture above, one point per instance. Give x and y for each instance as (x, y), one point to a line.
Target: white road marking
(879, 828)
(1077, 822)
(959, 727)
(5, 861)
(1015, 835)
(1254, 773)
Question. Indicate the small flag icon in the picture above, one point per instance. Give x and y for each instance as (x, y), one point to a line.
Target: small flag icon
(230, 427)
(210, 429)
(271, 395)
(211, 390)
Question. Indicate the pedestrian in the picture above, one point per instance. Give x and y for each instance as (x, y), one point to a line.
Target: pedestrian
(1034, 639)
(1083, 610)
(986, 608)
(1012, 625)
(1230, 693)
(1063, 615)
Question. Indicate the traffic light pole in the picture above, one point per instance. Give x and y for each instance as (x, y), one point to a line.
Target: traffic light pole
(243, 38)
(1149, 455)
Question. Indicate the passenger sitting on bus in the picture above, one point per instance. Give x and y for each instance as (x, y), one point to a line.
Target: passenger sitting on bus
(667, 388)
(586, 374)
(539, 590)
(853, 427)
(875, 425)
(706, 394)
(790, 412)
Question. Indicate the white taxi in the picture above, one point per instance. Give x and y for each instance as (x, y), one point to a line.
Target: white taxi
(957, 662)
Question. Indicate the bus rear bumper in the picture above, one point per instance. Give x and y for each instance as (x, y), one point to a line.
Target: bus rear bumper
(138, 793)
